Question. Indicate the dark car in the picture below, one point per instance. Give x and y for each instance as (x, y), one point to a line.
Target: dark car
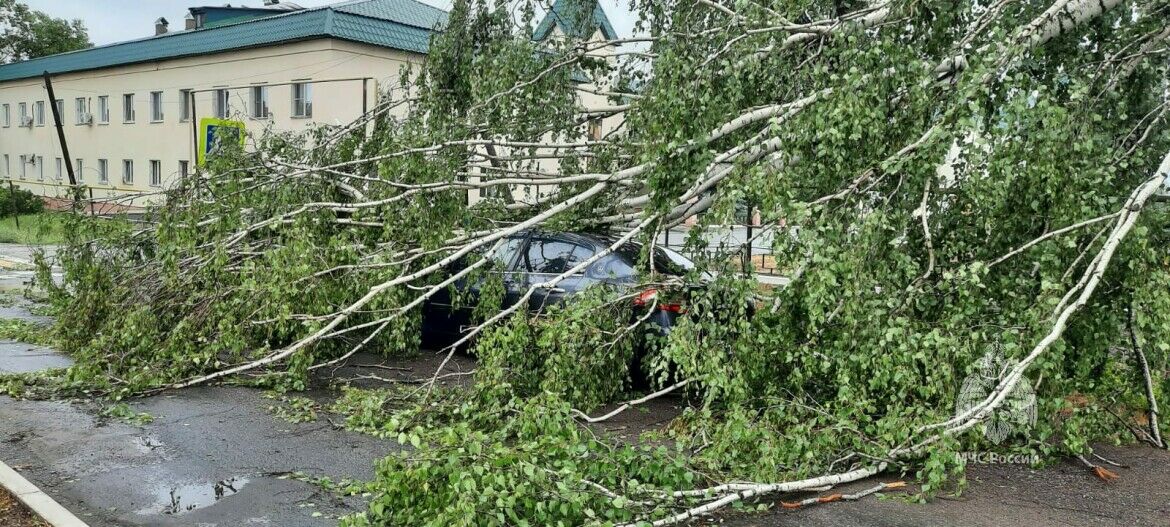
(534, 257)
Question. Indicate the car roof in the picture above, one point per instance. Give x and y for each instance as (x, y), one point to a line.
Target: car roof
(591, 240)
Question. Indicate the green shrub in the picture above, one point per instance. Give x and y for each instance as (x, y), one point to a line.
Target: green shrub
(16, 201)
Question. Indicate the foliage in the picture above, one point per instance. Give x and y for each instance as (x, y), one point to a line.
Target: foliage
(25, 331)
(294, 409)
(18, 201)
(124, 412)
(28, 33)
(581, 352)
(537, 468)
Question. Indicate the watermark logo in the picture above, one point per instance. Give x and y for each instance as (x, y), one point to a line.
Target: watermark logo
(1017, 414)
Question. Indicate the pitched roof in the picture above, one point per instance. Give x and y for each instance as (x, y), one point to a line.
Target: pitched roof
(564, 14)
(399, 24)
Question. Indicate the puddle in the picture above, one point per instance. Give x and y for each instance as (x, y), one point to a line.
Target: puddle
(175, 500)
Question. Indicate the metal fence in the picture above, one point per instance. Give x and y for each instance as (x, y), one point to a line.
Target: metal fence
(729, 239)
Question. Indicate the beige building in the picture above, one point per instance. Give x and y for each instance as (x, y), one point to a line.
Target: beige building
(130, 109)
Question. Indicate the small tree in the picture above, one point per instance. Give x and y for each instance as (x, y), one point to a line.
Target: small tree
(27, 34)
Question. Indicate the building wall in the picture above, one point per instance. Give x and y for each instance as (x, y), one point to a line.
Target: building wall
(586, 100)
(171, 140)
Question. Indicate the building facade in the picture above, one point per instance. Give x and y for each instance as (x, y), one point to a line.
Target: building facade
(130, 110)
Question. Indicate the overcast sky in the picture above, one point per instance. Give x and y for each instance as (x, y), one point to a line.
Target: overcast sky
(111, 21)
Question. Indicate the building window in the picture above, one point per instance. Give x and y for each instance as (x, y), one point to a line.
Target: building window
(80, 170)
(156, 107)
(594, 131)
(155, 173)
(185, 105)
(103, 171)
(7, 167)
(41, 168)
(302, 100)
(184, 168)
(39, 110)
(60, 167)
(60, 111)
(260, 102)
(6, 114)
(103, 112)
(128, 108)
(83, 116)
(222, 107)
(24, 118)
(128, 171)
(23, 166)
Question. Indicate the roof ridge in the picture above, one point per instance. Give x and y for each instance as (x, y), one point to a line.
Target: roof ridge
(558, 16)
(436, 11)
(406, 28)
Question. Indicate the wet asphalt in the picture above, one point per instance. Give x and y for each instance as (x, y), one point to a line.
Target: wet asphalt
(212, 457)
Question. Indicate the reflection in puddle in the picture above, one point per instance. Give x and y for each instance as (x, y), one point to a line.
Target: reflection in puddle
(185, 498)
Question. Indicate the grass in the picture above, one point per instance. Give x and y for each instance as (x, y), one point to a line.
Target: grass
(35, 229)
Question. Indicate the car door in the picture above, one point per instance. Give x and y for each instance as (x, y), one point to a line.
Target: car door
(504, 258)
(445, 316)
(548, 256)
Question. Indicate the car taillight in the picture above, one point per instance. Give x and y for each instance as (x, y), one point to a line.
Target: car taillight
(673, 308)
(648, 296)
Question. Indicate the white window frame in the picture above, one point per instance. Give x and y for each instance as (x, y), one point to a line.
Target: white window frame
(127, 171)
(61, 109)
(7, 167)
(79, 168)
(103, 116)
(155, 173)
(302, 103)
(222, 104)
(40, 168)
(185, 105)
(156, 107)
(7, 113)
(128, 113)
(39, 113)
(260, 108)
(104, 171)
(23, 107)
(60, 172)
(82, 109)
(184, 168)
(23, 166)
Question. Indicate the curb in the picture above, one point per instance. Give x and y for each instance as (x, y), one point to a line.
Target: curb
(11, 263)
(38, 502)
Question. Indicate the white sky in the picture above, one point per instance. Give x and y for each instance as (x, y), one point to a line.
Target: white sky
(111, 21)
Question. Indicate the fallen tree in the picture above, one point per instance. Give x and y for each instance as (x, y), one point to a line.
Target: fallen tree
(941, 180)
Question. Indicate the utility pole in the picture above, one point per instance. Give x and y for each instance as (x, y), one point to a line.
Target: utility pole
(60, 130)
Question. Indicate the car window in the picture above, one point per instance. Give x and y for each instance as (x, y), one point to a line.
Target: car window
(506, 252)
(666, 261)
(613, 266)
(554, 257)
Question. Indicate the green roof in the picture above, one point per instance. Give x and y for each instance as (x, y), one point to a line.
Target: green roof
(564, 15)
(399, 24)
